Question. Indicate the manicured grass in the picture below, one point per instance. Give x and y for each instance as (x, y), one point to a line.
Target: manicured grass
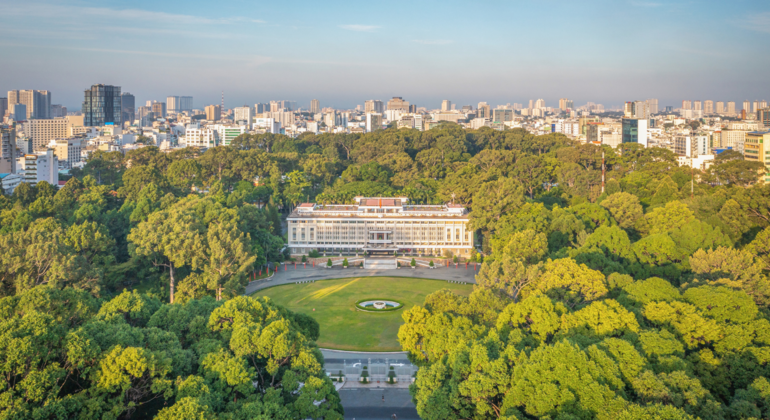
(343, 327)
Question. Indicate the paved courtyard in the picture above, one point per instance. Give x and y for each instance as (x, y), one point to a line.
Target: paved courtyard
(289, 274)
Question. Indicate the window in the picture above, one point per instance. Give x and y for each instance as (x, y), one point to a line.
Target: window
(293, 234)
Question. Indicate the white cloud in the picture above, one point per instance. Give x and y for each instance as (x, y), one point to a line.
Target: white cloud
(134, 15)
(759, 22)
(360, 28)
(433, 41)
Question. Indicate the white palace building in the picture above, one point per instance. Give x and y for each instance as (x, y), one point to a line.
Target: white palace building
(380, 225)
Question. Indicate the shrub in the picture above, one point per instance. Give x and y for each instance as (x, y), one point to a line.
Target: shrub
(431, 263)
(329, 262)
(314, 254)
(344, 262)
(304, 258)
(454, 260)
(413, 263)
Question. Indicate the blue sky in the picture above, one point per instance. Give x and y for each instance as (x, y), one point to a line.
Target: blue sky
(343, 53)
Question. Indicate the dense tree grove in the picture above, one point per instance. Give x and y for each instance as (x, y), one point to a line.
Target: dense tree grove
(67, 355)
(645, 296)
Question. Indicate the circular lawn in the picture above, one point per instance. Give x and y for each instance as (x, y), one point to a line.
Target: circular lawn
(345, 327)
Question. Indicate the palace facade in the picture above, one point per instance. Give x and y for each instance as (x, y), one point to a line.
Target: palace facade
(380, 225)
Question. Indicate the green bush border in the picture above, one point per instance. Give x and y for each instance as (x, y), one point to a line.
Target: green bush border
(401, 305)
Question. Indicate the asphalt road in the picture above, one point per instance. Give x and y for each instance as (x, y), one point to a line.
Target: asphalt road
(290, 274)
(368, 404)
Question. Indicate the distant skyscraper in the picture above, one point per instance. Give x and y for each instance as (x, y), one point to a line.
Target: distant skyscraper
(755, 108)
(540, 104)
(173, 104)
(213, 113)
(669, 109)
(731, 108)
(708, 107)
(720, 107)
(315, 106)
(128, 103)
(185, 103)
(653, 106)
(446, 105)
(636, 109)
(38, 102)
(373, 105)
(102, 105)
(482, 110)
(697, 106)
(261, 108)
(3, 107)
(747, 106)
(7, 150)
(531, 104)
(762, 104)
(565, 104)
(58, 111)
(19, 112)
(398, 104)
(686, 104)
(159, 109)
(413, 109)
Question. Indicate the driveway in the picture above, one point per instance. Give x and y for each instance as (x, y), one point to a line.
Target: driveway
(289, 274)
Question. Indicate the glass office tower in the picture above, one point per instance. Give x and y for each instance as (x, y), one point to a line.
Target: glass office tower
(102, 105)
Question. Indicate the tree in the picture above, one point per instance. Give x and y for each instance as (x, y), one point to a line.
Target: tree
(624, 208)
(492, 201)
(507, 276)
(227, 258)
(171, 238)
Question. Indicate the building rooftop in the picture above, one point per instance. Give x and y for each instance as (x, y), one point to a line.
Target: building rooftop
(379, 207)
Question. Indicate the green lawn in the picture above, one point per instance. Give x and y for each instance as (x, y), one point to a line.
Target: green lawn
(343, 327)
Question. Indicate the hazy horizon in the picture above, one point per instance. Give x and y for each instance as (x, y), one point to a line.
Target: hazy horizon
(497, 52)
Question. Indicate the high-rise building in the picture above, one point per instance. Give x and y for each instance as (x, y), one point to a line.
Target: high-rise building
(565, 104)
(373, 122)
(261, 108)
(540, 104)
(747, 106)
(315, 106)
(373, 106)
(3, 108)
(102, 105)
(244, 114)
(159, 108)
(502, 115)
(41, 132)
(185, 104)
(531, 104)
(446, 105)
(128, 103)
(398, 104)
(213, 113)
(413, 109)
(635, 131)
(636, 109)
(58, 111)
(483, 110)
(756, 149)
(762, 104)
(708, 107)
(720, 107)
(653, 106)
(686, 104)
(38, 102)
(731, 108)
(763, 116)
(7, 150)
(697, 106)
(173, 104)
(19, 112)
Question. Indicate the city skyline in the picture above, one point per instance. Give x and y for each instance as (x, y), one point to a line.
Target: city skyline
(351, 53)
